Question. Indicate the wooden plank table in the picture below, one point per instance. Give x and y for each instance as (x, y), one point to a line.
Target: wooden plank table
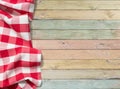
(80, 43)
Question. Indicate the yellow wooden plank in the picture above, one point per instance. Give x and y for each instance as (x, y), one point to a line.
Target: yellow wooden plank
(80, 74)
(80, 54)
(76, 44)
(81, 64)
(78, 14)
(78, 4)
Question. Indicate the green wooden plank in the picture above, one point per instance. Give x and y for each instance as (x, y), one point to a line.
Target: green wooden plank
(80, 84)
(75, 24)
(76, 34)
(80, 74)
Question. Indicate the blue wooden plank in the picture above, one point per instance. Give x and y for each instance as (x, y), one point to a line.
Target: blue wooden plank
(80, 84)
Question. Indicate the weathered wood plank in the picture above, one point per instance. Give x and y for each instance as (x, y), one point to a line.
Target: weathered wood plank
(75, 34)
(81, 14)
(81, 84)
(81, 64)
(75, 24)
(76, 44)
(80, 54)
(80, 74)
(78, 4)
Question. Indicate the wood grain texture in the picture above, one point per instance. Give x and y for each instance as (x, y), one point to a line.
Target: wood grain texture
(80, 84)
(80, 74)
(75, 24)
(80, 42)
(81, 64)
(76, 44)
(80, 54)
(61, 34)
(81, 14)
(78, 4)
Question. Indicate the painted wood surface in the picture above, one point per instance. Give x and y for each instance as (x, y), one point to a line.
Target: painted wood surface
(75, 24)
(80, 42)
(81, 84)
(77, 4)
(78, 14)
(80, 74)
(61, 34)
(80, 54)
(81, 64)
(76, 44)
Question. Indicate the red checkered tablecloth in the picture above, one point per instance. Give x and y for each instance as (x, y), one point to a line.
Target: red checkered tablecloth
(19, 61)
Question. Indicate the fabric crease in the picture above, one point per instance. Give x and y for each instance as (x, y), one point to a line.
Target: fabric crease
(19, 61)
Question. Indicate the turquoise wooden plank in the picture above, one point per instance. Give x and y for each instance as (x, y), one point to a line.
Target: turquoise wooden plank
(76, 34)
(75, 24)
(80, 84)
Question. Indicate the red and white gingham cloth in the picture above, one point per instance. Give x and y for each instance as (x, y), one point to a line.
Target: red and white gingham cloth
(19, 61)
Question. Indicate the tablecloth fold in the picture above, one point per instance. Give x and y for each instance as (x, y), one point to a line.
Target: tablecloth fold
(19, 61)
